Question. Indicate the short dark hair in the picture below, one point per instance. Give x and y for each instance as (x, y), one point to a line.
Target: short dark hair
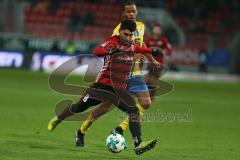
(127, 3)
(128, 24)
(157, 25)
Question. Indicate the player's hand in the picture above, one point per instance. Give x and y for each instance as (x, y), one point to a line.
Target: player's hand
(156, 51)
(156, 65)
(138, 56)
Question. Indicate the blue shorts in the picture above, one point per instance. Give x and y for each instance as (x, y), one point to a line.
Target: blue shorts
(136, 84)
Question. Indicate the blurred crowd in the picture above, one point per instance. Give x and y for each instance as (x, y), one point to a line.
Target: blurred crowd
(206, 24)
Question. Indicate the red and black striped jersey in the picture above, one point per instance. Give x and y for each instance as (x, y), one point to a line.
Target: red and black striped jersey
(163, 44)
(117, 65)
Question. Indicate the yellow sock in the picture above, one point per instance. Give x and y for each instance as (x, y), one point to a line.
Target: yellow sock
(141, 109)
(124, 124)
(87, 124)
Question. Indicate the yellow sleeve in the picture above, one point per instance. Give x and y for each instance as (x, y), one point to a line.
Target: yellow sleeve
(142, 31)
(142, 26)
(116, 30)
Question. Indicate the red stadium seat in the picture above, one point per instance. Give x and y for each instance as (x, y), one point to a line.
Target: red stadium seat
(69, 5)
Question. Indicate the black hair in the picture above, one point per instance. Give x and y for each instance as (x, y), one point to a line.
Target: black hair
(157, 25)
(127, 3)
(128, 24)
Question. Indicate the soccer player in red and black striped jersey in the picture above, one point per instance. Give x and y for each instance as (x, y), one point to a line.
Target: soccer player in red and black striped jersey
(111, 83)
(160, 41)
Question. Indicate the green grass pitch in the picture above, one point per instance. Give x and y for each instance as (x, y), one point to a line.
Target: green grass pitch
(27, 104)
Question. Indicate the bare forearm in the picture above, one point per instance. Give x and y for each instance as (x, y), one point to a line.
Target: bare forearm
(149, 57)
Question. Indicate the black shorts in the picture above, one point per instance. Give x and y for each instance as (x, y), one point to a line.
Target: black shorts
(99, 92)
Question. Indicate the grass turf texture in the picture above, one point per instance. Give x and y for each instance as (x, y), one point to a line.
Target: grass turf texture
(27, 103)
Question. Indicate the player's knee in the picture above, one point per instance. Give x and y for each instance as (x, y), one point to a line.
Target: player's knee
(145, 102)
(129, 103)
(133, 110)
(76, 108)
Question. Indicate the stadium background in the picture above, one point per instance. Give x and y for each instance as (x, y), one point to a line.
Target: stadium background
(37, 36)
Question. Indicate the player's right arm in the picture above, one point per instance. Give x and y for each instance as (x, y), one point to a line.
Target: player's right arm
(106, 47)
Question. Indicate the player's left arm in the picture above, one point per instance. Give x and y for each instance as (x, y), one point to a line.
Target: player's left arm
(146, 51)
(107, 47)
(149, 56)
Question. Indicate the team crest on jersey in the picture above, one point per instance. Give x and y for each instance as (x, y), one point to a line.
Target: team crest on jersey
(136, 33)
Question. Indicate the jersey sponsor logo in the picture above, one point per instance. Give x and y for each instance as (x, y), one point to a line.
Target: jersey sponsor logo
(124, 57)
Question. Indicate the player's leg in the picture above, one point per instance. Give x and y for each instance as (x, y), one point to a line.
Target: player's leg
(137, 87)
(84, 103)
(143, 104)
(103, 108)
(128, 105)
(152, 79)
(108, 96)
